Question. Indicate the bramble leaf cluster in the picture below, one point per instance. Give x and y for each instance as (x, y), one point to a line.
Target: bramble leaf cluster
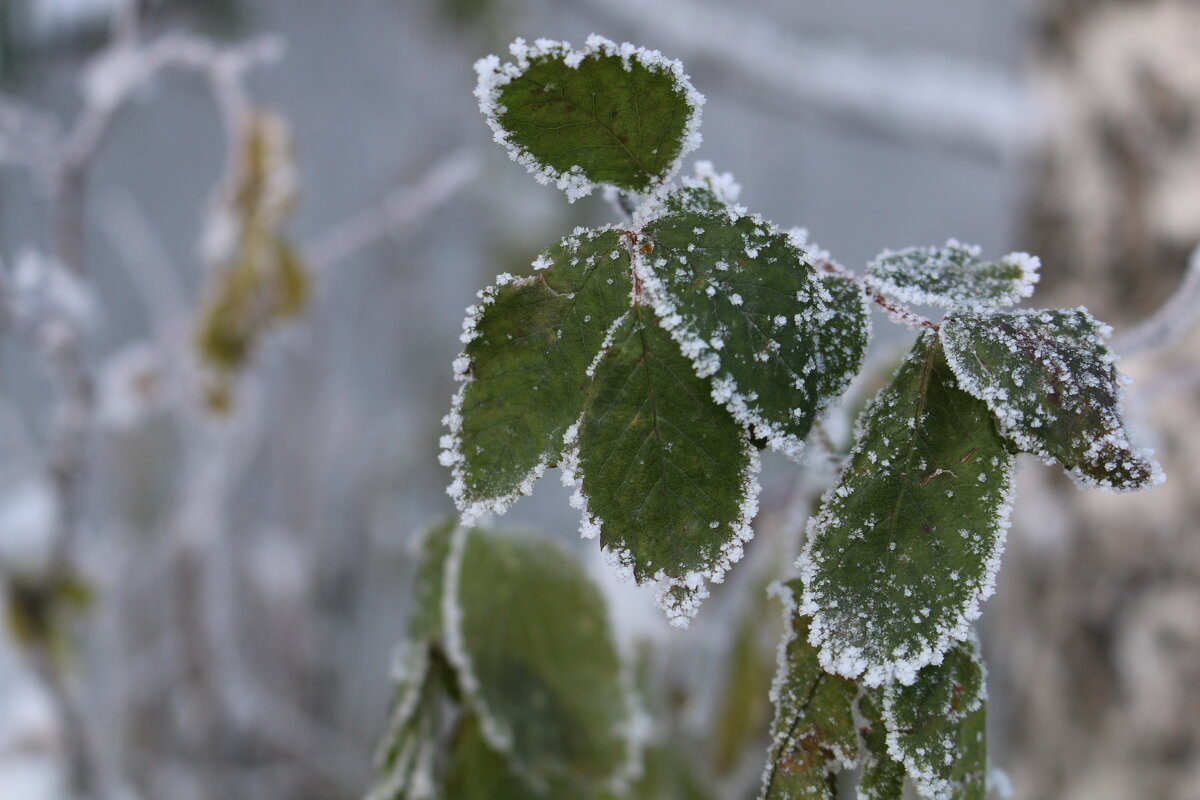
(652, 359)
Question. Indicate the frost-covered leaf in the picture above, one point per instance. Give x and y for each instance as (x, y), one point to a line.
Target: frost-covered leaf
(528, 634)
(882, 776)
(477, 772)
(605, 114)
(530, 346)
(778, 339)
(813, 735)
(405, 758)
(907, 545)
(425, 616)
(668, 477)
(936, 726)
(406, 752)
(1052, 383)
(953, 277)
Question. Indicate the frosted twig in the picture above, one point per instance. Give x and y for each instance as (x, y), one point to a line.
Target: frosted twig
(920, 96)
(897, 312)
(405, 207)
(1172, 321)
(109, 82)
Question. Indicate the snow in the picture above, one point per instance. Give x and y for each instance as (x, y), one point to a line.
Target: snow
(494, 76)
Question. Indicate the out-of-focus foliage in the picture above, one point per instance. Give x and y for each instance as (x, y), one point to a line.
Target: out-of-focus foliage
(261, 280)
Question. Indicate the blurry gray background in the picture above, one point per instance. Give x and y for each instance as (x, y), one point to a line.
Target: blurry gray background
(871, 125)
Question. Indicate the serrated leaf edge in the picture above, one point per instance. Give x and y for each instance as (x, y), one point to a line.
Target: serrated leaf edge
(851, 662)
(787, 599)
(451, 455)
(703, 356)
(1011, 430)
(1023, 287)
(494, 76)
(679, 612)
(470, 510)
(925, 782)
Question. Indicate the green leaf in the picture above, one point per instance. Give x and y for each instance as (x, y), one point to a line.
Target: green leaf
(605, 114)
(667, 475)
(405, 756)
(907, 545)
(936, 726)
(669, 773)
(477, 772)
(1053, 385)
(882, 776)
(530, 344)
(528, 635)
(778, 339)
(425, 615)
(422, 678)
(813, 735)
(952, 277)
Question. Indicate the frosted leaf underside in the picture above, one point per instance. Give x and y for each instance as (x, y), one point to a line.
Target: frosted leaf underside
(529, 344)
(882, 776)
(906, 546)
(778, 339)
(606, 114)
(666, 472)
(952, 276)
(936, 726)
(1052, 383)
(813, 735)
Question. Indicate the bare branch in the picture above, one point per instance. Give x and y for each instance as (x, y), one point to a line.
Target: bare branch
(405, 207)
(1173, 319)
(918, 96)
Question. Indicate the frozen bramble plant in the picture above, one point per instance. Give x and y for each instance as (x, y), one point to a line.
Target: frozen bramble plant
(652, 359)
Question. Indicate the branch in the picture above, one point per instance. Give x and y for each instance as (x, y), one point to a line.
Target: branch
(918, 96)
(1172, 321)
(898, 313)
(402, 209)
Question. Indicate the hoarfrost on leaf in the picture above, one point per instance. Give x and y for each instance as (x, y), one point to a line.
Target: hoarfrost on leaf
(952, 276)
(906, 546)
(935, 726)
(882, 777)
(659, 462)
(778, 339)
(548, 689)
(813, 735)
(527, 365)
(1053, 385)
(605, 114)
